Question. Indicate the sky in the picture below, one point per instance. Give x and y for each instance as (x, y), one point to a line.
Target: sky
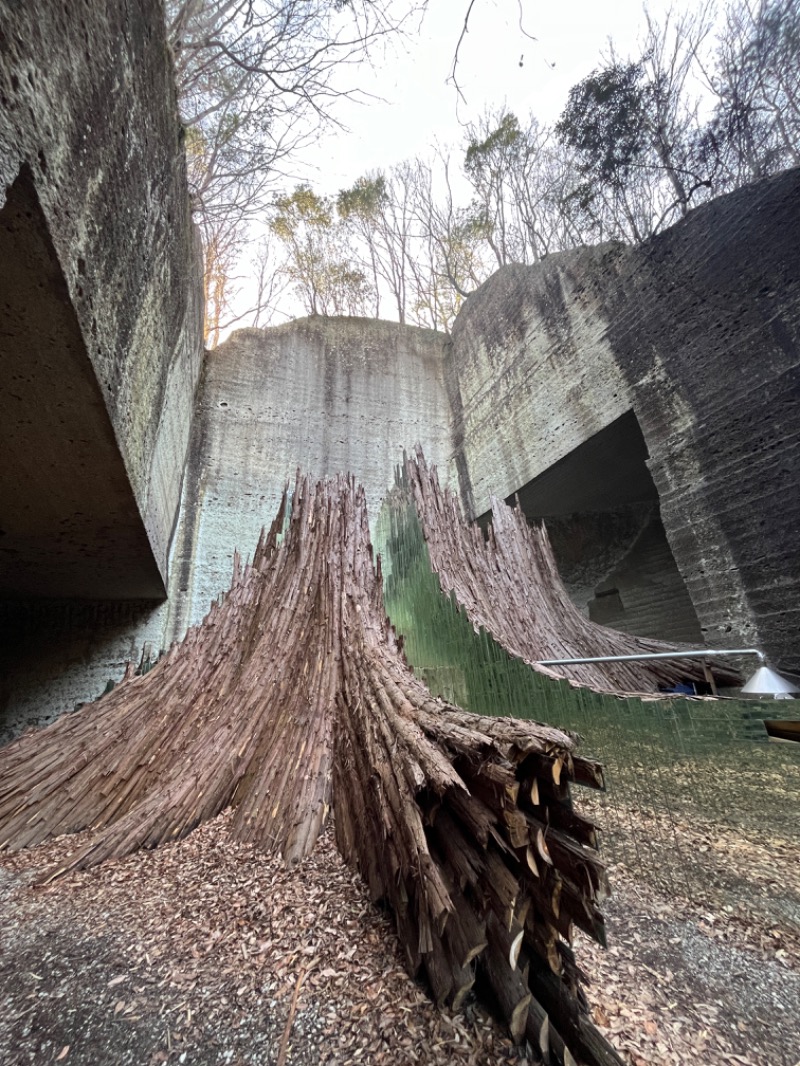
(412, 107)
(498, 64)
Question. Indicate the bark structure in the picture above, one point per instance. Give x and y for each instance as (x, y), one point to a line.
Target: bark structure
(507, 583)
(294, 696)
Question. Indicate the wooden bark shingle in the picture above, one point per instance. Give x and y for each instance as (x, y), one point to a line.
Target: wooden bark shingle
(292, 699)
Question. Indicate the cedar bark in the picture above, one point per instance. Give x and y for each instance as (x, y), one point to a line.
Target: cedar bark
(292, 699)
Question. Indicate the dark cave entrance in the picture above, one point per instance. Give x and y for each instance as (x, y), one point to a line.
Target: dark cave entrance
(76, 567)
(71, 525)
(601, 509)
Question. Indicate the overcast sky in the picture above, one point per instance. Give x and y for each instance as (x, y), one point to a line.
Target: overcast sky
(497, 64)
(414, 106)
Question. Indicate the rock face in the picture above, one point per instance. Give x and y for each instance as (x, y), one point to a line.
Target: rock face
(100, 345)
(324, 395)
(101, 342)
(696, 334)
(533, 374)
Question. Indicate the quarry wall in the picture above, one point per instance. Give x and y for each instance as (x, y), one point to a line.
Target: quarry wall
(325, 395)
(644, 400)
(89, 117)
(100, 345)
(696, 333)
(533, 374)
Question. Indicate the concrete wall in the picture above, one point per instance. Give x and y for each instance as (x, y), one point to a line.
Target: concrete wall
(696, 332)
(705, 323)
(325, 395)
(88, 111)
(534, 375)
(644, 592)
(57, 654)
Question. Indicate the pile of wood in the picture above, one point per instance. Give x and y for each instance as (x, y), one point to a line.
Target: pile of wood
(507, 582)
(294, 697)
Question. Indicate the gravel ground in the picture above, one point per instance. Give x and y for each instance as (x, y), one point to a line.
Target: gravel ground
(206, 952)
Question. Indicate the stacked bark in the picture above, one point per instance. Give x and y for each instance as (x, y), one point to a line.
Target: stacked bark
(293, 696)
(507, 583)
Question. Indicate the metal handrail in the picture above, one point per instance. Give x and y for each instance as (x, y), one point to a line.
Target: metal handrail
(695, 653)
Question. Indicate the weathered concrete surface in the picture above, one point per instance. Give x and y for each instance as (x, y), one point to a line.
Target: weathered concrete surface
(606, 384)
(88, 106)
(324, 395)
(602, 511)
(645, 594)
(69, 524)
(696, 332)
(705, 323)
(100, 345)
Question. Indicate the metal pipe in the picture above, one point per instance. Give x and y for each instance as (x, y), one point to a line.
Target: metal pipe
(695, 653)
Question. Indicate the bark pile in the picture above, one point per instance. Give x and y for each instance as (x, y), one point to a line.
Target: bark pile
(507, 582)
(292, 697)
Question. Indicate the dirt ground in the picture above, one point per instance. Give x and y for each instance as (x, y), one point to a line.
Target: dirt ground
(206, 952)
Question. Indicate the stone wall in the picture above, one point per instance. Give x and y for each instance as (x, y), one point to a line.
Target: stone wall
(609, 386)
(100, 345)
(325, 395)
(58, 654)
(696, 332)
(533, 373)
(705, 324)
(88, 114)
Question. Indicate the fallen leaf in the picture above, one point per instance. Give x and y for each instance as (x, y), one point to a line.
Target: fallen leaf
(601, 1018)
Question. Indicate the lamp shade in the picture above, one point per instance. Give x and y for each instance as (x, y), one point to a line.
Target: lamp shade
(766, 682)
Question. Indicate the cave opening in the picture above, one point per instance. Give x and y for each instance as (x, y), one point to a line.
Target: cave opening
(77, 572)
(601, 509)
(71, 525)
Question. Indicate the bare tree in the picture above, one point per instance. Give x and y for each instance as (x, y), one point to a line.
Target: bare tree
(221, 247)
(755, 130)
(397, 230)
(262, 71)
(526, 191)
(451, 259)
(269, 284)
(257, 79)
(633, 124)
(379, 208)
(360, 209)
(669, 61)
